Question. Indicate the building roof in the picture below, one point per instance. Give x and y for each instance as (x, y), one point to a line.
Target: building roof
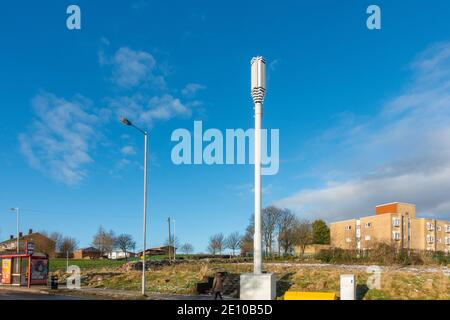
(162, 248)
(25, 236)
(386, 204)
(89, 249)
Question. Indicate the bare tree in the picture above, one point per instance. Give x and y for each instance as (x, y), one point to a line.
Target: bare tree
(173, 241)
(49, 248)
(247, 240)
(269, 220)
(216, 243)
(56, 237)
(104, 240)
(187, 248)
(220, 241)
(125, 243)
(68, 245)
(233, 241)
(286, 236)
(303, 234)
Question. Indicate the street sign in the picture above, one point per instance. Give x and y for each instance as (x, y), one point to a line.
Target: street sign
(30, 248)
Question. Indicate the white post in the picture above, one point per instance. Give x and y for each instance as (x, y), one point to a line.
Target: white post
(145, 212)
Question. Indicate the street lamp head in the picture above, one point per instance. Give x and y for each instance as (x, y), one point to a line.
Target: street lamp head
(14, 209)
(258, 79)
(125, 121)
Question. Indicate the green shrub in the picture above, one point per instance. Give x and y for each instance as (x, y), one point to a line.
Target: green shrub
(441, 258)
(337, 255)
(375, 294)
(381, 254)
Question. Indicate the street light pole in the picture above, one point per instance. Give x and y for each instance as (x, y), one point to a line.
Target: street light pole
(17, 210)
(144, 231)
(258, 90)
(128, 123)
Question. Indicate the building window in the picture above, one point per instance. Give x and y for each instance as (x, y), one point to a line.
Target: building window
(430, 239)
(447, 228)
(367, 238)
(430, 226)
(396, 235)
(447, 240)
(348, 228)
(368, 225)
(439, 228)
(348, 240)
(396, 222)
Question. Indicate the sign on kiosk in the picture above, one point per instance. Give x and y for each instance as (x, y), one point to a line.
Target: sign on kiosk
(6, 271)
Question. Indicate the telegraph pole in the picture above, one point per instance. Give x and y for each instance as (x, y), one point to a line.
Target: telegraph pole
(170, 235)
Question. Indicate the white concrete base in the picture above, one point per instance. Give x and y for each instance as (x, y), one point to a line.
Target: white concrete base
(258, 286)
(348, 287)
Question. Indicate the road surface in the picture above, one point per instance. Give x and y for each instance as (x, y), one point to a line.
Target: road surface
(15, 295)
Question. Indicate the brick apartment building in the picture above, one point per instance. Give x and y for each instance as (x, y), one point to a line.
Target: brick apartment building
(393, 223)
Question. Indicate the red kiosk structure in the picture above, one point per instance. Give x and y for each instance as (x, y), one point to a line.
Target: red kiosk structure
(24, 269)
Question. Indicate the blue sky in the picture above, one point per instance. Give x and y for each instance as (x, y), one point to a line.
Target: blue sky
(363, 115)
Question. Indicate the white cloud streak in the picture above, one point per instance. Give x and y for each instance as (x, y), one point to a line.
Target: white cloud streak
(60, 137)
(132, 68)
(191, 89)
(145, 111)
(150, 101)
(128, 150)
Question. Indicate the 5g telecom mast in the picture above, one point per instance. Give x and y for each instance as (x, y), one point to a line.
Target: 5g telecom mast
(258, 285)
(258, 90)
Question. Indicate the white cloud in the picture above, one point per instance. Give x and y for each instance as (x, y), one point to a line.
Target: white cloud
(146, 111)
(128, 150)
(60, 137)
(150, 100)
(191, 89)
(132, 68)
(273, 65)
(404, 150)
(247, 189)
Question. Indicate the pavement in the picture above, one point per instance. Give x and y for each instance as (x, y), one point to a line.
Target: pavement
(8, 294)
(115, 294)
(43, 293)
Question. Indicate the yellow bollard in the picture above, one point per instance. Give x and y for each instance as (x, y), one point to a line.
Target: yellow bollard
(295, 295)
